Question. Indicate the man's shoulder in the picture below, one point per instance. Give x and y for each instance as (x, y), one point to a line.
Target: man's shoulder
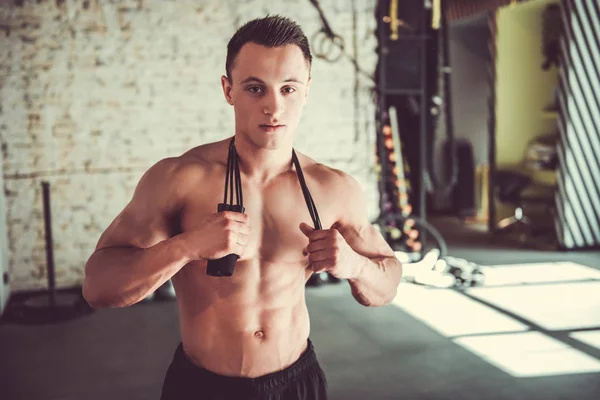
(340, 187)
(205, 156)
(193, 164)
(208, 153)
(329, 178)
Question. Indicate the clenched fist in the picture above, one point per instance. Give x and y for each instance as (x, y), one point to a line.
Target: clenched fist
(218, 235)
(328, 251)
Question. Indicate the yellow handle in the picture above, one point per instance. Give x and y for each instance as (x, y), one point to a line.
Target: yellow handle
(436, 14)
(394, 19)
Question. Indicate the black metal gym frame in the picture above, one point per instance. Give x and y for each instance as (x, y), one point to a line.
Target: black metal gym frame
(420, 42)
(50, 306)
(425, 41)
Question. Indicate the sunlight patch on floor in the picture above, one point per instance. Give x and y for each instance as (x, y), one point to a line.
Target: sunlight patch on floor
(546, 296)
(452, 314)
(552, 307)
(530, 354)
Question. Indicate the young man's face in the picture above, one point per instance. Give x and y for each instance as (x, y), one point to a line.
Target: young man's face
(268, 89)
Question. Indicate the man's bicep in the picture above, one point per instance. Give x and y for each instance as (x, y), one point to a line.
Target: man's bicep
(368, 241)
(134, 228)
(355, 226)
(146, 219)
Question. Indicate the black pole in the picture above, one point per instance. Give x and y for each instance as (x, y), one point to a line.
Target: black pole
(381, 89)
(424, 123)
(52, 306)
(49, 245)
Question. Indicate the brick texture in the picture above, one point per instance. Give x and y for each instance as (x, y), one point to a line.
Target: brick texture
(95, 92)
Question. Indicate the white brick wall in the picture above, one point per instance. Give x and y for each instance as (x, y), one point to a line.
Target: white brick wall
(90, 98)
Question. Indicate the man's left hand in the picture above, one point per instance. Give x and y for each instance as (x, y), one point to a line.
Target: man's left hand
(328, 251)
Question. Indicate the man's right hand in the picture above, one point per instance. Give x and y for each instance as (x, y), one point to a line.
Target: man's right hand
(218, 235)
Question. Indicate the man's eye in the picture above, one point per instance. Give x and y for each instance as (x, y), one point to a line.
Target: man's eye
(289, 89)
(255, 89)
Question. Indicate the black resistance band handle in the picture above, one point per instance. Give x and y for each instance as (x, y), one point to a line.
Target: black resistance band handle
(226, 265)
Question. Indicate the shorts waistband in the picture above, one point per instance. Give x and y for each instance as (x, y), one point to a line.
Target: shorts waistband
(268, 382)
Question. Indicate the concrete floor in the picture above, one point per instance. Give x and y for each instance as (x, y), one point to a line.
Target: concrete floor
(429, 344)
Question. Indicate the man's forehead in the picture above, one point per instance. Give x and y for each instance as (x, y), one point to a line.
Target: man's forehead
(267, 63)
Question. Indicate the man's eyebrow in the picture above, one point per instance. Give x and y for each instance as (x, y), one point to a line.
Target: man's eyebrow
(252, 79)
(255, 79)
(293, 80)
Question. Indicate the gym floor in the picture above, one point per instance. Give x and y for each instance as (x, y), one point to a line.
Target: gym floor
(532, 332)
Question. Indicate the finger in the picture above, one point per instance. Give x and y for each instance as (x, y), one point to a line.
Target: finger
(242, 228)
(319, 234)
(238, 249)
(242, 239)
(235, 216)
(321, 244)
(320, 266)
(321, 255)
(237, 227)
(306, 229)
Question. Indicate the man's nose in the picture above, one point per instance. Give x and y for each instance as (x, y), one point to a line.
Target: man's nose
(273, 105)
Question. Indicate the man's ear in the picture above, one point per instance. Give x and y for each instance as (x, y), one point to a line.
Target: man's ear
(308, 86)
(226, 84)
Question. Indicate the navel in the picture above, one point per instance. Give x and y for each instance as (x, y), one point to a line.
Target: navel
(259, 334)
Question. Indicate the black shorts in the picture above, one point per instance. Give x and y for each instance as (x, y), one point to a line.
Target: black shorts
(304, 379)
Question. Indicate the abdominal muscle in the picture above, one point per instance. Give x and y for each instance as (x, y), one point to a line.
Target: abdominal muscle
(250, 324)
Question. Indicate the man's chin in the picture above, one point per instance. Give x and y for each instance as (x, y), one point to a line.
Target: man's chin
(270, 141)
(271, 145)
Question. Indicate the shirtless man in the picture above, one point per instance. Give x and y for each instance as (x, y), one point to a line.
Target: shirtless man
(247, 335)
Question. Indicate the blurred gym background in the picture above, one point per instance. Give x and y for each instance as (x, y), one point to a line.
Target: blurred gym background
(473, 127)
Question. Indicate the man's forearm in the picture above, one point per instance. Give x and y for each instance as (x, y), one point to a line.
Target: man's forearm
(377, 281)
(122, 276)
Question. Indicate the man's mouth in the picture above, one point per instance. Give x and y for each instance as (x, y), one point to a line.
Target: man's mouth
(271, 128)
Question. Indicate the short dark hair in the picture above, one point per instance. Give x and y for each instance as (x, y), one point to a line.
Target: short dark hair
(269, 31)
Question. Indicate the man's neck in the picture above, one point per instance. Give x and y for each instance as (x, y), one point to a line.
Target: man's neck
(262, 164)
